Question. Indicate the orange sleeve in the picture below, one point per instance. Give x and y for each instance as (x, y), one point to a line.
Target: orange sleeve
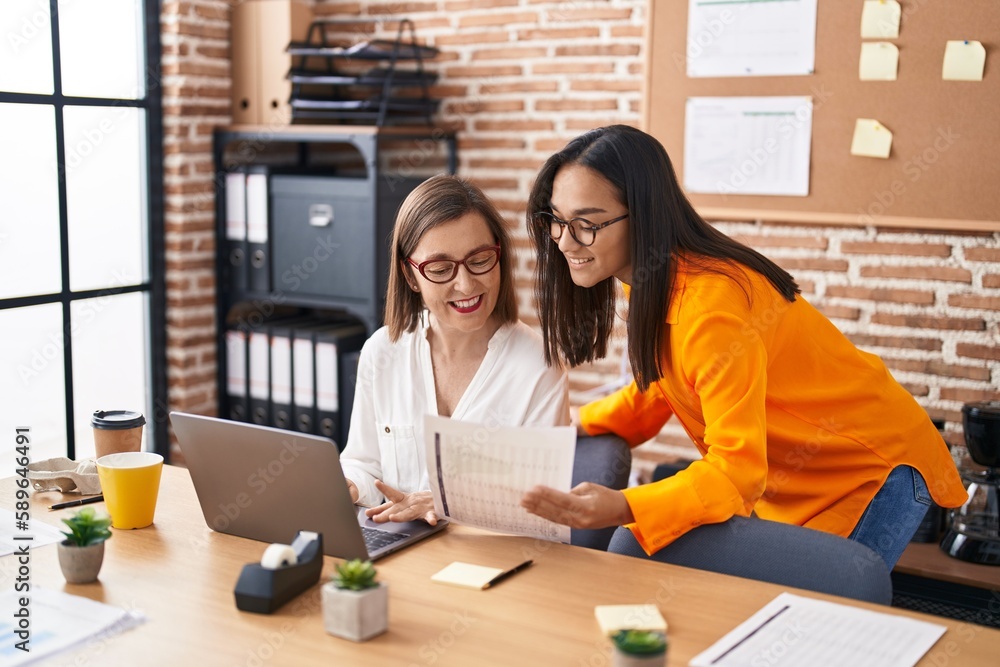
(629, 413)
(726, 368)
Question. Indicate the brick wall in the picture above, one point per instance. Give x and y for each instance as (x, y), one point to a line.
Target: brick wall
(521, 77)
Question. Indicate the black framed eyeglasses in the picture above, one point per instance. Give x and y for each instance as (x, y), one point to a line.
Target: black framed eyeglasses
(442, 271)
(582, 230)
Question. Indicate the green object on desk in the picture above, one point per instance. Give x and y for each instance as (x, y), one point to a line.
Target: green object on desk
(87, 527)
(640, 642)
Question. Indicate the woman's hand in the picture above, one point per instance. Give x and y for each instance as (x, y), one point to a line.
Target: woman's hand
(587, 505)
(400, 507)
(352, 488)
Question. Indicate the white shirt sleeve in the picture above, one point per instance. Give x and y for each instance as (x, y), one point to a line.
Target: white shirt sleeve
(360, 459)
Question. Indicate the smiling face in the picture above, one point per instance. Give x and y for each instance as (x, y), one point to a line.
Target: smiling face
(466, 303)
(580, 192)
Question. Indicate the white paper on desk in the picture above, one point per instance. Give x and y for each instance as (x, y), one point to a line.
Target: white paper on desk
(751, 38)
(795, 630)
(478, 473)
(748, 145)
(59, 622)
(41, 534)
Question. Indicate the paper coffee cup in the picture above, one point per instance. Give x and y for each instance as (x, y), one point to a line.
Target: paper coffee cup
(117, 431)
(130, 482)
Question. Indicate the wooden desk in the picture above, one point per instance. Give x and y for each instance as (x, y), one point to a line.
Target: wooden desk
(181, 575)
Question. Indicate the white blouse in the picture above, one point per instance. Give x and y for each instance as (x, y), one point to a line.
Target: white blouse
(395, 389)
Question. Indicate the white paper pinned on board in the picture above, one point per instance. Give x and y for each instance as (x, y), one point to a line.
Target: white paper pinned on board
(871, 139)
(964, 60)
(880, 19)
(879, 61)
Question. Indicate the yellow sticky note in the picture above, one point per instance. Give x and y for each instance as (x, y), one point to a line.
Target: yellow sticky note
(615, 617)
(964, 60)
(466, 575)
(879, 61)
(880, 18)
(871, 139)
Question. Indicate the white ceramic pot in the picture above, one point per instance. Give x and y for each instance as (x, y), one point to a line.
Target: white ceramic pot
(355, 615)
(622, 659)
(80, 565)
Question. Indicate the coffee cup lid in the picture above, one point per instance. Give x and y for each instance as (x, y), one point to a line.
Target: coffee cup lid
(117, 420)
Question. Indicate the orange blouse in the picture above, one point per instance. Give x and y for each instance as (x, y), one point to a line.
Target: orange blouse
(793, 421)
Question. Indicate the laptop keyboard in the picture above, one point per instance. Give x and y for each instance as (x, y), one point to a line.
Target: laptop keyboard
(376, 539)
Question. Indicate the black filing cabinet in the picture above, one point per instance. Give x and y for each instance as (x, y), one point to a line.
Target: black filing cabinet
(304, 218)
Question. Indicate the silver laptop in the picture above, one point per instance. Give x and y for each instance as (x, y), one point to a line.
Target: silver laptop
(267, 484)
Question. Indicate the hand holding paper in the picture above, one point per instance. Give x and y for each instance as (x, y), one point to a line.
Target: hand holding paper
(587, 505)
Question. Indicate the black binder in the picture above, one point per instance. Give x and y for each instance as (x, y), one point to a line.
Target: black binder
(235, 196)
(237, 379)
(258, 231)
(334, 378)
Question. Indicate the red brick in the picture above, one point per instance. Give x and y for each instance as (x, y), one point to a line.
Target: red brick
(982, 254)
(898, 342)
(627, 85)
(466, 5)
(558, 33)
(575, 105)
(812, 242)
(400, 8)
(483, 71)
(471, 106)
(988, 352)
(839, 312)
(930, 322)
(513, 125)
(881, 294)
(585, 124)
(501, 163)
(991, 280)
(912, 249)
(465, 143)
(945, 273)
(491, 37)
(589, 14)
(572, 68)
(503, 18)
(519, 87)
(968, 395)
(936, 367)
(510, 53)
(551, 144)
(812, 264)
(488, 184)
(916, 389)
(974, 301)
(626, 31)
(606, 50)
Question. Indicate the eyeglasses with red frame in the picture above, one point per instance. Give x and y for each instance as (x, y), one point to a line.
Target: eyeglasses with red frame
(442, 271)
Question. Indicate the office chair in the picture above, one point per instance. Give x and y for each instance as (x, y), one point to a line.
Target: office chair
(605, 460)
(775, 552)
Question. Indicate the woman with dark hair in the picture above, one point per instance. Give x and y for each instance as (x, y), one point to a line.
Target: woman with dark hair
(452, 346)
(794, 423)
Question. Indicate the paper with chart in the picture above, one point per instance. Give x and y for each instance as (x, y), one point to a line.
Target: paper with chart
(796, 630)
(751, 38)
(478, 473)
(748, 145)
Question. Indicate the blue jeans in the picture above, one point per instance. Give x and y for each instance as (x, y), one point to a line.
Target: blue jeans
(894, 514)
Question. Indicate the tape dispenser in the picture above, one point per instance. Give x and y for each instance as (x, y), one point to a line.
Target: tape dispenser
(283, 572)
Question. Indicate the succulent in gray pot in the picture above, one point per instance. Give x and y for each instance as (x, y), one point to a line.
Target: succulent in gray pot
(639, 648)
(355, 606)
(82, 552)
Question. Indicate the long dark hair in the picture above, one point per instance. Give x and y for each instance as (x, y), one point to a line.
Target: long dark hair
(576, 322)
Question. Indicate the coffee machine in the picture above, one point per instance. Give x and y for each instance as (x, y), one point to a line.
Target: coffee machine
(974, 528)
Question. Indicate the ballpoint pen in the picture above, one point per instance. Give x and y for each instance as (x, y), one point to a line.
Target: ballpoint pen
(506, 573)
(74, 503)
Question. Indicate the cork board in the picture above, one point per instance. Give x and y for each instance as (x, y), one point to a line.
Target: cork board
(944, 168)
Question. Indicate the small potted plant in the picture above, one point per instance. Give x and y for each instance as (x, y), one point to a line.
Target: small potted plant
(82, 552)
(639, 648)
(355, 606)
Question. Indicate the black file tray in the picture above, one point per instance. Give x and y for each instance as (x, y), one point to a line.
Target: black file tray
(339, 90)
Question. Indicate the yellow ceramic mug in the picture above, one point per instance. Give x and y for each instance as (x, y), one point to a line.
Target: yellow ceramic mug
(130, 482)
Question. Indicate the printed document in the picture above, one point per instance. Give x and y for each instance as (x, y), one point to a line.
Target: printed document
(795, 630)
(12, 540)
(478, 473)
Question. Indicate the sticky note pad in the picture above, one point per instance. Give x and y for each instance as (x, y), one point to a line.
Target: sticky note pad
(963, 60)
(871, 139)
(879, 61)
(615, 617)
(880, 18)
(466, 575)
